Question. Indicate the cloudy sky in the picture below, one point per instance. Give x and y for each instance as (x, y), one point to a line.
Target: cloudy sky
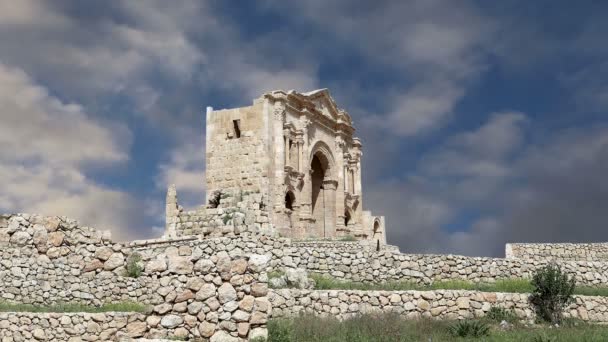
(483, 122)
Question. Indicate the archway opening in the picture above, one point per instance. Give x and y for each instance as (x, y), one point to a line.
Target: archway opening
(377, 234)
(318, 174)
(347, 218)
(289, 200)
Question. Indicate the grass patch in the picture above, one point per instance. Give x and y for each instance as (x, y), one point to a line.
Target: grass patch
(73, 307)
(275, 274)
(326, 282)
(347, 238)
(591, 291)
(392, 328)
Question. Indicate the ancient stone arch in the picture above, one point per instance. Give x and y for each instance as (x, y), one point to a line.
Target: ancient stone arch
(323, 189)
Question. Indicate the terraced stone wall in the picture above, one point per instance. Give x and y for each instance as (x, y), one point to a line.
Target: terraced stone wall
(439, 304)
(558, 251)
(193, 291)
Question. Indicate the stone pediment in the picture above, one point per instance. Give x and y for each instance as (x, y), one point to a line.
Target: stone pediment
(325, 104)
(318, 101)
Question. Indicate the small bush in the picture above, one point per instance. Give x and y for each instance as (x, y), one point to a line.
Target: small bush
(134, 268)
(215, 198)
(499, 314)
(542, 338)
(552, 292)
(469, 329)
(280, 330)
(226, 217)
(347, 238)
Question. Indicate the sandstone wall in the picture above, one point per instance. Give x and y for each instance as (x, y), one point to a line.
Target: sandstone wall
(440, 304)
(107, 326)
(350, 261)
(205, 290)
(237, 213)
(558, 251)
(232, 162)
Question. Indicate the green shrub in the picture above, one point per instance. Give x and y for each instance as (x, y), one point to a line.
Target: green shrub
(469, 329)
(552, 292)
(347, 238)
(134, 267)
(543, 338)
(499, 314)
(215, 199)
(280, 330)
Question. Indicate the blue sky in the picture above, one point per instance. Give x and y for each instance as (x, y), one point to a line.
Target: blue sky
(482, 122)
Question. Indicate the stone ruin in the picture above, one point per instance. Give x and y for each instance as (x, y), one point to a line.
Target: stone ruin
(283, 192)
(289, 164)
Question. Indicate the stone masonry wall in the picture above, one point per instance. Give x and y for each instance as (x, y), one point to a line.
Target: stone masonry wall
(345, 261)
(558, 251)
(441, 304)
(236, 213)
(195, 290)
(232, 162)
(109, 326)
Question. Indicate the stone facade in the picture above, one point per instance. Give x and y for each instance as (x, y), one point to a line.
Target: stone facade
(558, 251)
(439, 304)
(298, 152)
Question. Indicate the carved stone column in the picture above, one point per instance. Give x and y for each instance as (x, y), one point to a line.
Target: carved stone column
(287, 137)
(329, 208)
(339, 202)
(278, 197)
(171, 212)
(306, 194)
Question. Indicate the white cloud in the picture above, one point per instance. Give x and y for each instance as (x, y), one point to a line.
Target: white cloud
(489, 188)
(185, 169)
(438, 47)
(45, 146)
(28, 12)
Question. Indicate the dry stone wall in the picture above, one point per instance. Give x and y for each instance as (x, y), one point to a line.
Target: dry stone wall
(193, 290)
(558, 251)
(109, 326)
(350, 261)
(237, 213)
(439, 304)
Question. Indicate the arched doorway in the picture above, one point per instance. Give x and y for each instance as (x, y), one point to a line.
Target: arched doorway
(377, 234)
(317, 176)
(323, 191)
(347, 218)
(290, 198)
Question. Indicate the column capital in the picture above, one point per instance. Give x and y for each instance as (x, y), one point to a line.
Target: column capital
(279, 110)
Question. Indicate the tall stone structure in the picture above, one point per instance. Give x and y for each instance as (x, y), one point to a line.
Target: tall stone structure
(298, 150)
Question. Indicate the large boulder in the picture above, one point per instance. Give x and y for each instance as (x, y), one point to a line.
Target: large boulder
(171, 321)
(20, 238)
(226, 293)
(156, 265)
(180, 265)
(222, 336)
(258, 262)
(114, 261)
(298, 278)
